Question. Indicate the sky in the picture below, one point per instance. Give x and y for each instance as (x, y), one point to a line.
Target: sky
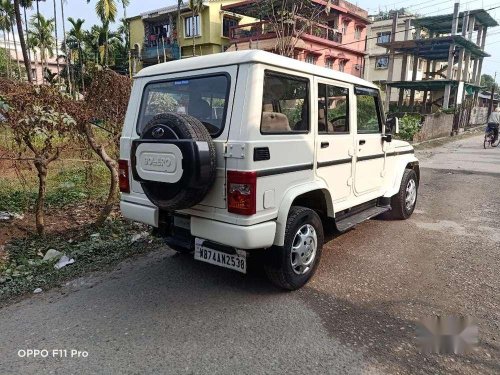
(80, 9)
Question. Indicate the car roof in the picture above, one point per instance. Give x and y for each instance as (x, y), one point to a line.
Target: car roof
(246, 57)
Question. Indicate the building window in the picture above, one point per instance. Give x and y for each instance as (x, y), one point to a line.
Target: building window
(382, 62)
(189, 26)
(310, 58)
(384, 37)
(227, 23)
(285, 106)
(342, 64)
(333, 109)
(344, 27)
(357, 32)
(329, 63)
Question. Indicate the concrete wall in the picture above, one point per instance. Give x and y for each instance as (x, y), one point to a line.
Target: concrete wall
(435, 126)
(478, 116)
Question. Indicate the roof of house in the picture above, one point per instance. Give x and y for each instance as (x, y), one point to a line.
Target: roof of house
(248, 57)
(432, 85)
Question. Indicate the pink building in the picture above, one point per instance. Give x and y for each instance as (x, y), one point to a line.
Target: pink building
(336, 41)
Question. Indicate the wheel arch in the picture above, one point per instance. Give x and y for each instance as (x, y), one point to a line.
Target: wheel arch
(315, 196)
(406, 162)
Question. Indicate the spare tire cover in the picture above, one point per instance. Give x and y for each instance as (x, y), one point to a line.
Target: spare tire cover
(189, 138)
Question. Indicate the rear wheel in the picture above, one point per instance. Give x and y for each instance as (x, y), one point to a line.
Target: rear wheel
(292, 265)
(403, 203)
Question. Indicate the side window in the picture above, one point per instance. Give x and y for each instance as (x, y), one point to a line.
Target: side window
(285, 104)
(368, 110)
(333, 109)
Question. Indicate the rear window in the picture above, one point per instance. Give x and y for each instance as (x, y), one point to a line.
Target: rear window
(202, 97)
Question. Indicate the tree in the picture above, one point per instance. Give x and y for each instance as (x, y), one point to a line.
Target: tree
(196, 6)
(107, 11)
(5, 27)
(76, 37)
(289, 20)
(57, 42)
(41, 33)
(9, 13)
(37, 119)
(488, 82)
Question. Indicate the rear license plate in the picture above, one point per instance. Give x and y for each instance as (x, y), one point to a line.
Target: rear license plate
(235, 262)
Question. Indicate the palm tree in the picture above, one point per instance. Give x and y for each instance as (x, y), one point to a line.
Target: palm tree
(5, 27)
(76, 37)
(107, 10)
(10, 14)
(68, 62)
(195, 6)
(41, 30)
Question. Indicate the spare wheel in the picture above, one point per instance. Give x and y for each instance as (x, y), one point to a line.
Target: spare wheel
(174, 160)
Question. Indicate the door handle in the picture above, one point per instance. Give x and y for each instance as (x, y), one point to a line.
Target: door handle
(325, 144)
(362, 141)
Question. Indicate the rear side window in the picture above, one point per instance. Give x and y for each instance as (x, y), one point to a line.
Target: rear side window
(285, 104)
(202, 97)
(368, 110)
(333, 109)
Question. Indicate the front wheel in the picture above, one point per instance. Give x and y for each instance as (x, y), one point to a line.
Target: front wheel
(292, 265)
(403, 203)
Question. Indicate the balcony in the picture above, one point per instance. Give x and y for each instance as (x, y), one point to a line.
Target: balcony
(263, 30)
(155, 53)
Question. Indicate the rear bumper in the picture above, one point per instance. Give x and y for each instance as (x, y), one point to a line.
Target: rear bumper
(257, 236)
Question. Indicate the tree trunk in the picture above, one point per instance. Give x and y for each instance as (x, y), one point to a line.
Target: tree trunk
(57, 47)
(68, 57)
(40, 202)
(17, 54)
(19, 22)
(106, 49)
(113, 169)
(80, 58)
(7, 49)
(26, 40)
(36, 65)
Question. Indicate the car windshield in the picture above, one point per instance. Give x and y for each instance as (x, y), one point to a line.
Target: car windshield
(202, 97)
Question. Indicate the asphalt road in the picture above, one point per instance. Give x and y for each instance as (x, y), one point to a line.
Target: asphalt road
(166, 313)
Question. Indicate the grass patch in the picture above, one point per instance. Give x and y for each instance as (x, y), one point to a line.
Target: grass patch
(92, 249)
(65, 185)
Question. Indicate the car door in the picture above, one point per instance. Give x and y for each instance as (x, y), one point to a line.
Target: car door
(370, 156)
(334, 146)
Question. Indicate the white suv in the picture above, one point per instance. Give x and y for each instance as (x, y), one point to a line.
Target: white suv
(243, 151)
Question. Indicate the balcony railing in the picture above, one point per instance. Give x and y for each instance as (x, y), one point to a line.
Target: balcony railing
(263, 30)
(159, 52)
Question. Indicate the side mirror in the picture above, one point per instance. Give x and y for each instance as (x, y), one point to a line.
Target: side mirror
(392, 124)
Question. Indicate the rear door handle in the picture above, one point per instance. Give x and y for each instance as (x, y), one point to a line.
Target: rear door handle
(362, 141)
(325, 144)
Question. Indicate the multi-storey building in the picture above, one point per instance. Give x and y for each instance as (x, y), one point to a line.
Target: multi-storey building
(162, 34)
(336, 40)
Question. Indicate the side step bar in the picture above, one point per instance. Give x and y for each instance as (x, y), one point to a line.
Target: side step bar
(353, 220)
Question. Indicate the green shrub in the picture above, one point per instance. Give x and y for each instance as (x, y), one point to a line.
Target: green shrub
(409, 126)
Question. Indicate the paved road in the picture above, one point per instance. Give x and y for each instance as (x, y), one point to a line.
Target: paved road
(166, 313)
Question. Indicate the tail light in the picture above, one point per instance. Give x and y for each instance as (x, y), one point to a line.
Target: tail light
(241, 192)
(123, 177)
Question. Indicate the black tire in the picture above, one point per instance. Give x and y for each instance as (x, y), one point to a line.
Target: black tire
(278, 265)
(199, 172)
(400, 211)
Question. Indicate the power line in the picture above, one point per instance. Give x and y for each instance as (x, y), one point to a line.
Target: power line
(397, 32)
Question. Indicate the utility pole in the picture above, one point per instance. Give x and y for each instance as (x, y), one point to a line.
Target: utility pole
(490, 107)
